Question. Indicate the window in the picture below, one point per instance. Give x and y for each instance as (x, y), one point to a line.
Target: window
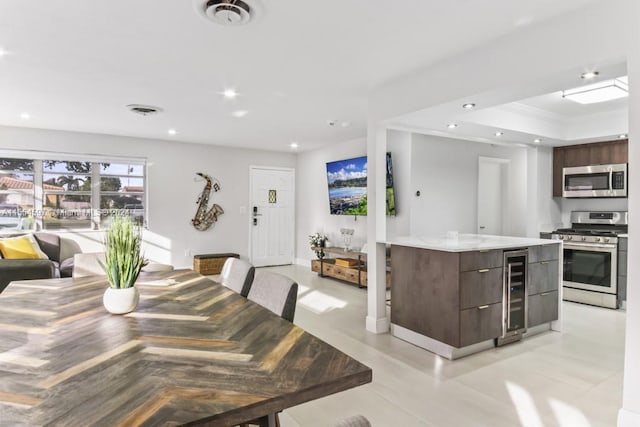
(69, 194)
(122, 187)
(16, 193)
(66, 198)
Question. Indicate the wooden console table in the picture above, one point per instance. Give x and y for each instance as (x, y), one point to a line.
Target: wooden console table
(356, 274)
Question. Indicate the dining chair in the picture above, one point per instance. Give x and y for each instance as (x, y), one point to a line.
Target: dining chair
(275, 292)
(88, 264)
(237, 275)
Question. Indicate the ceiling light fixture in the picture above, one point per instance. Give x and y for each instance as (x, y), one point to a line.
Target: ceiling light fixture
(228, 12)
(499, 133)
(468, 105)
(230, 93)
(622, 136)
(452, 125)
(25, 116)
(537, 140)
(172, 132)
(144, 110)
(293, 145)
(606, 90)
(239, 114)
(589, 75)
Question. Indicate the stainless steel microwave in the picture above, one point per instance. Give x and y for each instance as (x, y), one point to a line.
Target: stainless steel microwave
(595, 181)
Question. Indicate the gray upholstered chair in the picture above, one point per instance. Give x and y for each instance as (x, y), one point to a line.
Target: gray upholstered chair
(88, 264)
(237, 275)
(275, 292)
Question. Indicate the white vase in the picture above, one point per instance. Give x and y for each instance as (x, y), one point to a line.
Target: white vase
(120, 301)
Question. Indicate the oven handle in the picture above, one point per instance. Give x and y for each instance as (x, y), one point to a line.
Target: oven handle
(589, 245)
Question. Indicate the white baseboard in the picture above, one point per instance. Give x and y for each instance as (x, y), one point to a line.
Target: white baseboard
(377, 326)
(627, 418)
(302, 261)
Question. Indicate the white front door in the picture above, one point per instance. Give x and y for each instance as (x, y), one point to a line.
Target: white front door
(492, 195)
(272, 214)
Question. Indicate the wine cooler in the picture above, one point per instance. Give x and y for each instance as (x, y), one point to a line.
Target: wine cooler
(514, 307)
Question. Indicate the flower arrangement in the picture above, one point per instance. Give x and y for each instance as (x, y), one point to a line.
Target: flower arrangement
(318, 240)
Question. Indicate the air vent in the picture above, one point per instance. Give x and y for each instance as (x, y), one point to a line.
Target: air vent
(228, 12)
(144, 110)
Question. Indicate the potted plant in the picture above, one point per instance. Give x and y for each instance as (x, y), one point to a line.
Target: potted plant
(318, 240)
(123, 262)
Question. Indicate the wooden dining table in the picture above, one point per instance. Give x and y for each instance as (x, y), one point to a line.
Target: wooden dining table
(192, 353)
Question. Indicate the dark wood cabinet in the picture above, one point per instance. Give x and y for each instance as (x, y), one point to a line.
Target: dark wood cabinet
(622, 269)
(543, 308)
(480, 324)
(452, 297)
(597, 153)
(544, 282)
(577, 155)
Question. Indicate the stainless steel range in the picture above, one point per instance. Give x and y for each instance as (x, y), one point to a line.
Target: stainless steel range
(590, 257)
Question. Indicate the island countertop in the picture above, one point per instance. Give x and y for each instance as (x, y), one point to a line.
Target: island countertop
(468, 242)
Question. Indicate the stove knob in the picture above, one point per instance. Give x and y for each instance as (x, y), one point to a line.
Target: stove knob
(569, 237)
(598, 239)
(584, 238)
(606, 240)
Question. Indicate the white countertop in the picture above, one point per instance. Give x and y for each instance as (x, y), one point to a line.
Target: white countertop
(468, 242)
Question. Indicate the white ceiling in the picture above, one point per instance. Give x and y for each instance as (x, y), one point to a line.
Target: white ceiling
(75, 64)
(532, 111)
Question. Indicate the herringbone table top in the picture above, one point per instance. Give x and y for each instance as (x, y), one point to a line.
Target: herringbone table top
(191, 353)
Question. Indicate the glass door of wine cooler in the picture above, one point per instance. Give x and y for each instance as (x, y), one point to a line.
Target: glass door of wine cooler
(515, 293)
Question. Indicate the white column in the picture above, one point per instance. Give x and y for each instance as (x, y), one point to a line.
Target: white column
(629, 414)
(377, 320)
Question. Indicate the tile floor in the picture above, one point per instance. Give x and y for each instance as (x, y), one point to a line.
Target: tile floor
(570, 379)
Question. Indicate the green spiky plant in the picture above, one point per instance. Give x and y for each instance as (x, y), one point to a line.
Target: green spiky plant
(123, 258)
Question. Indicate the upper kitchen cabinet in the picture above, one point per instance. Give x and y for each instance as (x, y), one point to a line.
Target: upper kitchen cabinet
(597, 153)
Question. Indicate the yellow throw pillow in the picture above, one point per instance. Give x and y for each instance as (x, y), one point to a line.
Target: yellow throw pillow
(23, 247)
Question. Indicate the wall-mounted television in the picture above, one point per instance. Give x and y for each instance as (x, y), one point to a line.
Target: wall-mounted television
(347, 180)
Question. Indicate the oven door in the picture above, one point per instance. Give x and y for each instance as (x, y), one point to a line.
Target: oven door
(591, 266)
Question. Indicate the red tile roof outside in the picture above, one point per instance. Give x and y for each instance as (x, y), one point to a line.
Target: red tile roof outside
(10, 183)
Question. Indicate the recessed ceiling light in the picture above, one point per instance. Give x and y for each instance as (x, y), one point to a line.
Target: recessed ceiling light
(468, 105)
(230, 93)
(172, 132)
(293, 145)
(499, 133)
(25, 116)
(452, 125)
(589, 75)
(537, 140)
(240, 113)
(622, 136)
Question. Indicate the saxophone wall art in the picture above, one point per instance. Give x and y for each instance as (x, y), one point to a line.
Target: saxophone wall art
(205, 216)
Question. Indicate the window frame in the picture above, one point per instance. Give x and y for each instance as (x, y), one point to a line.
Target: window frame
(95, 194)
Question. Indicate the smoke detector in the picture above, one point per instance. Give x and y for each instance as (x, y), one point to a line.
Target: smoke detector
(228, 12)
(144, 110)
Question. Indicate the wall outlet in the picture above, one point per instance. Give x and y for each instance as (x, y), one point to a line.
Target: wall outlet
(187, 252)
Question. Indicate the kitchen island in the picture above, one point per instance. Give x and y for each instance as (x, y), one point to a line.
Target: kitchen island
(462, 294)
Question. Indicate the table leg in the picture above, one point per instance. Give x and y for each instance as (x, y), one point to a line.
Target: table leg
(321, 266)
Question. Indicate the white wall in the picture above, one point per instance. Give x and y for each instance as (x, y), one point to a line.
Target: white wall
(312, 207)
(445, 171)
(172, 190)
(312, 204)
